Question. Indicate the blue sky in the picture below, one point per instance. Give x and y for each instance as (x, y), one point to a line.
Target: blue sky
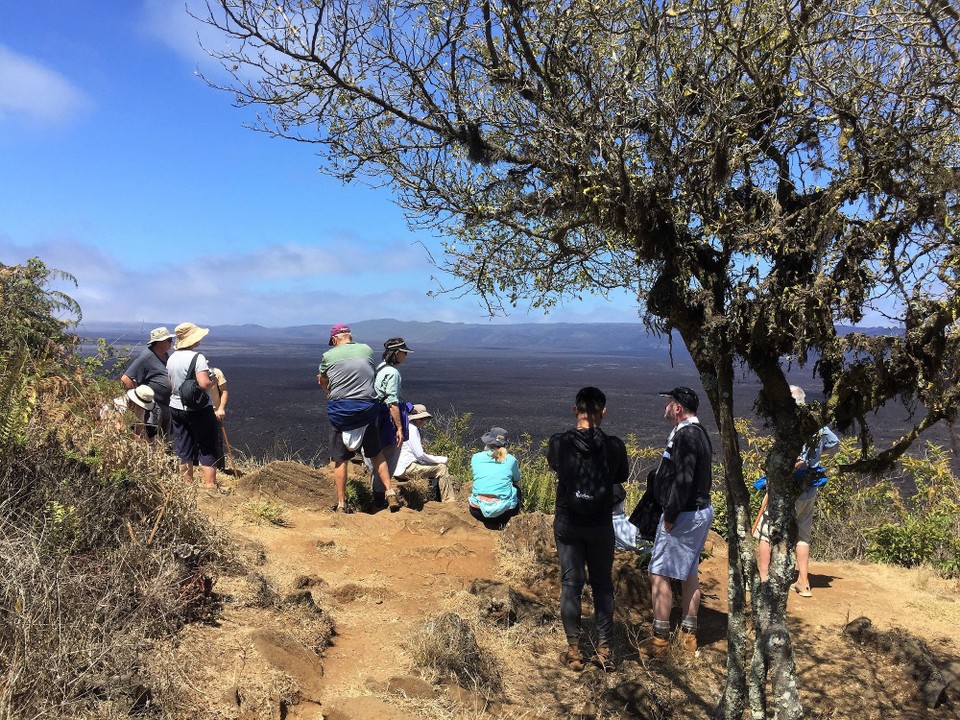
(118, 164)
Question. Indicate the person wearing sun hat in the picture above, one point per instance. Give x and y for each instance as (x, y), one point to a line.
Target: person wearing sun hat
(140, 401)
(495, 495)
(415, 463)
(150, 368)
(195, 431)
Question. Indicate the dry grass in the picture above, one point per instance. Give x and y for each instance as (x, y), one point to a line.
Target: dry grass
(102, 554)
(447, 648)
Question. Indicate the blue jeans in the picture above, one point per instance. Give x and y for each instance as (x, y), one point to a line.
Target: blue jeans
(580, 547)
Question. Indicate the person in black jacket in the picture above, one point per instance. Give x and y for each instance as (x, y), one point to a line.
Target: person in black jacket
(682, 486)
(588, 463)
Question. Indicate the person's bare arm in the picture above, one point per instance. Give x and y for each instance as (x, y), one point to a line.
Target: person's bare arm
(324, 382)
(127, 382)
(224, 394)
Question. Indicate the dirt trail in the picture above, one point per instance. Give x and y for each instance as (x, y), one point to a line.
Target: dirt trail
(381, 577)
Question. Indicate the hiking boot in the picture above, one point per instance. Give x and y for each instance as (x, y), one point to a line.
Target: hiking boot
(392, 502)
(687, 641)
(654, 647)
(604, 659)
(572, 658)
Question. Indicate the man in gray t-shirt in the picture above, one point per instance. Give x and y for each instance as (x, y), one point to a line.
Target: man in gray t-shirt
(346, 375)
(150, 368)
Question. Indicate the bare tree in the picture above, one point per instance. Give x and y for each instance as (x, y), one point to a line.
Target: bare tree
(756, 171)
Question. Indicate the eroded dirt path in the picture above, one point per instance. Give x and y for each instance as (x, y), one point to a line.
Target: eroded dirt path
(381, 577)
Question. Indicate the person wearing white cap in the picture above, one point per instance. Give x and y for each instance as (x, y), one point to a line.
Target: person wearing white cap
(150, 368)
(415, 463)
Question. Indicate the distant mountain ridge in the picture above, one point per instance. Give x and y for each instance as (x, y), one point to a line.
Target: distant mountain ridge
(591, 338)
(618, 338)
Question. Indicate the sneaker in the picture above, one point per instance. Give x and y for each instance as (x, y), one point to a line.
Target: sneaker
(687, 641)
(392, 502)
(338, 508)
(654, 647)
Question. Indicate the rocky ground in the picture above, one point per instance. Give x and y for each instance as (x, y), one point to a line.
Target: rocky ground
(347, 617)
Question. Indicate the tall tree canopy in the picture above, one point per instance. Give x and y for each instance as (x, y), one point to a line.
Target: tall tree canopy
(756, 172)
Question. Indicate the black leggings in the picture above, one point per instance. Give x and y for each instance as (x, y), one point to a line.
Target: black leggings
(590, 547)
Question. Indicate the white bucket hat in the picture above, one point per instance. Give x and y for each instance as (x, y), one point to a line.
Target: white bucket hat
(141, 395)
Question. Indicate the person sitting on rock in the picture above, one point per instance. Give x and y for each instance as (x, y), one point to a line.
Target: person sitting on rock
(415, 463)
(495, 496)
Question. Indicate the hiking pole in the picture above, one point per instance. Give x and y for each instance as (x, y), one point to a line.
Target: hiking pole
(233, 465)
(763, 506)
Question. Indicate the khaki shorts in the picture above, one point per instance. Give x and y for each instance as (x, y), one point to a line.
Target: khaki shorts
(803, 509)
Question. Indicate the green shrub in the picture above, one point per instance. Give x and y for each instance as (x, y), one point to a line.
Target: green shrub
(924, 527)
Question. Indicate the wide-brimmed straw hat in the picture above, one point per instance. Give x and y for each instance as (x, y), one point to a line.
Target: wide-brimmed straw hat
(142, 395)
(189, 334)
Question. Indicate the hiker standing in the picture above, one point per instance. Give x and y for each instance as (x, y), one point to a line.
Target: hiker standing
(150, 368)
(588, 463)
(682, 484)
(393, 411)
(809, 460)
(195, 429)
(219, 396)
(346, 375)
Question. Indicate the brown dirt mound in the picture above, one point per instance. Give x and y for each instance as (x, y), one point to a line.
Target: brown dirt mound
(292, 483)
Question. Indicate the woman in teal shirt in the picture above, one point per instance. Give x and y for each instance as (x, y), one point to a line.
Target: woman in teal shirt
(496, 480)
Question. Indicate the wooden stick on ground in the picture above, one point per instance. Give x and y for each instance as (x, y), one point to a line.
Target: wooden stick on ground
(233, 465)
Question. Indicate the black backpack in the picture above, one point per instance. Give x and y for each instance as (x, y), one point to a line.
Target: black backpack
(192, 395)
(590, 493)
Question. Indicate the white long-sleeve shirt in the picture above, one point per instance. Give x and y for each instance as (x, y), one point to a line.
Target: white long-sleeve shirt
(412, 452)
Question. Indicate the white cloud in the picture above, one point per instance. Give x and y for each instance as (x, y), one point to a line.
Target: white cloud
(278, 285)
(31, 90)
(180, 26)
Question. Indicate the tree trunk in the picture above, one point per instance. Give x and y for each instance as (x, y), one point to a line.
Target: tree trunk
(739, 554)
(715, 366)
(773, 659)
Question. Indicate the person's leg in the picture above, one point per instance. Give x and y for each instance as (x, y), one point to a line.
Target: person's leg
(382, 471)
(803, 565)
(209, 473)
(571, 553)
(206, 430)
(448, 492)
(804, 513)
(662, 599)
(340, 480)
(599, 550)
(763, 559)
(183, 445)
(661, 596)
(690, 595)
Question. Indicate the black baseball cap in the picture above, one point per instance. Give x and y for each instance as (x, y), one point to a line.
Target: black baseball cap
(685, 396)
